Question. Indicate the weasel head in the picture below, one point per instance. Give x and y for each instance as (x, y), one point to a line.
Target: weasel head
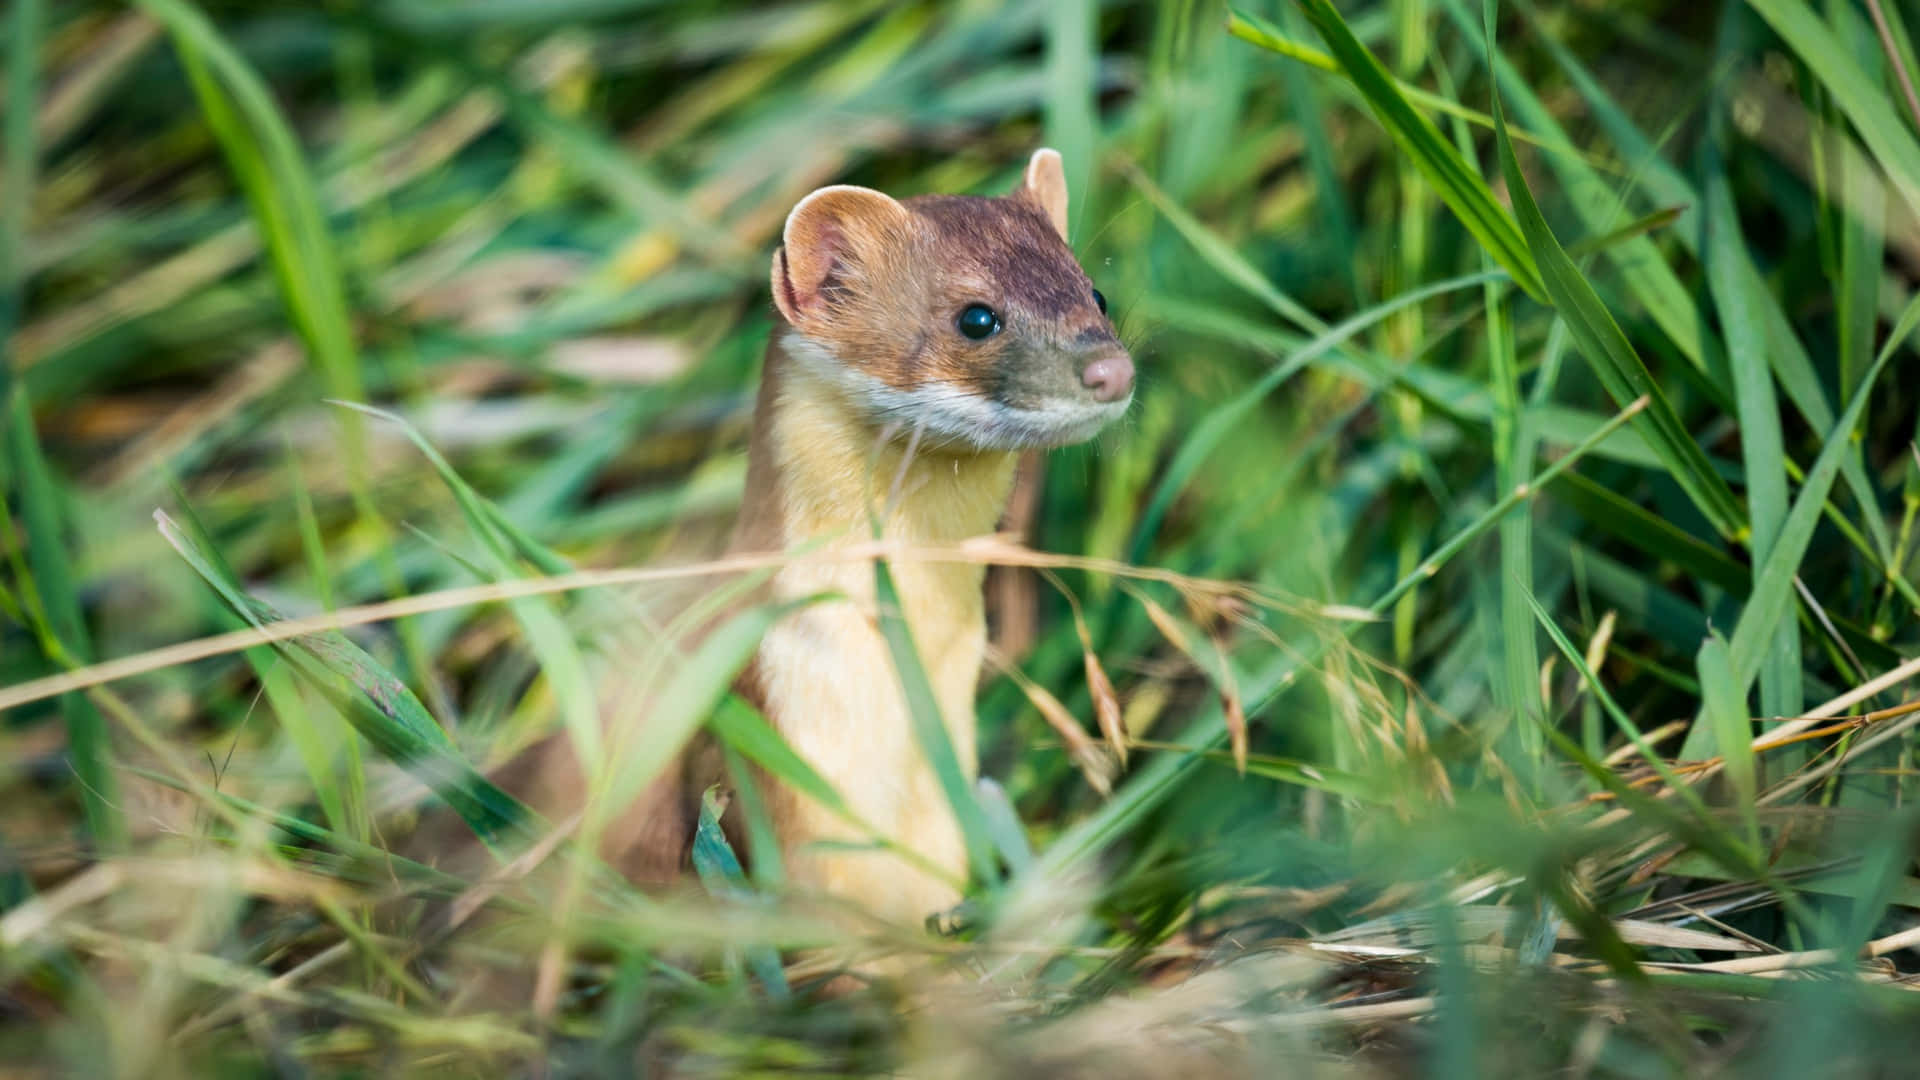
(966, 317)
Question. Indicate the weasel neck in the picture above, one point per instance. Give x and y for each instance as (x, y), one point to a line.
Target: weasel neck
(817, 470)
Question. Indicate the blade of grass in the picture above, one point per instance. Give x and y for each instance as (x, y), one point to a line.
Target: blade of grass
(331, 738)
(1761, 444)
(1613, 359)
(1863, 100)
(17, 173)
(1726, 711)
(266, 160)
(62, 628)
(1003, 824)
(561, 665)
(1459, 186)
(1608, 510)
(1773, 580)
(742, 730)
(1256, 31)
(1147, 787)
(1519, 687)
(378, 704)
(719, 870)
(1071, 121)
(1219, 422)
(265, 157)
(1792, 366)
(930, 728)
(1646, 274)
(693, 691)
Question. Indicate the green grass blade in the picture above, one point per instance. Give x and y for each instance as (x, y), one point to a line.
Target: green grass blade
(1003, 825)
(313, 738)
(266, 159)
(1219, 422)
(562, 666)
(1762, 447)
(1792, 366)
(63, 631)
(377, 703)
(930, 728)
(1729, 722)
(1608, 510)
(1772, 597)
(1621, 720)
(1223, 258)
(694, 689)
(1646, 274)
(1149, 786)
(18, 165)
(741, 727)
(1463, 189)
(1862, 99)
(1072, 123)
(1518, 676)
(1614, 361)
(1256, 31)
(719, 870)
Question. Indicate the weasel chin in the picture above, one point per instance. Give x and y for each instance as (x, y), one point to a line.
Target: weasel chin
(1065, 424)
(952, 418)
(949, 417)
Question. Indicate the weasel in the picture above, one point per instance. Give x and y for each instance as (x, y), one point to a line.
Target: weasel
(921, 345)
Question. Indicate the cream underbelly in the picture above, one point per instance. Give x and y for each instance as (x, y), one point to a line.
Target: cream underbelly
(833, 692)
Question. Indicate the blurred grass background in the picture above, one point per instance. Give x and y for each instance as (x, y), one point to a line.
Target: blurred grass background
(1502, 648)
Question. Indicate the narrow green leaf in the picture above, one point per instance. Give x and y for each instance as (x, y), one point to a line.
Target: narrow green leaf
(19, 164)
(719, 870)
(310, 735)
(1463, 189)
(376, 702)
(561, 663)
(1148, 786)
(1607, 510)
(1772, 595)
(694, 689)
(63, 634)
(1619, 369)
(1257, 31)
(1518, 676)
(1574, 657)
(1792, 366)
(741, 727)
(267, 161)
(1592, 198)
(1864, 100)
(1219, 422)
(1725, 705)
(769, 865)
(1762, 447)
(930, 728)
(1003, 824)
(1071, 118)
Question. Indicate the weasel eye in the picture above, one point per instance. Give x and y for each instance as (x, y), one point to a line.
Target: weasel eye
(978, 322)
(1100, 301)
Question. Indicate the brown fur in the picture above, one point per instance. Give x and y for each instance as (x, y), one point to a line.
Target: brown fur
(880, 283)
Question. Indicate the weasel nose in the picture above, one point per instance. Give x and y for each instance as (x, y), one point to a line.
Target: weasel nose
(1110, 377)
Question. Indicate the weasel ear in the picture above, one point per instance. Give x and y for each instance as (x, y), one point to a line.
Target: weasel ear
(1046, 184)
(829, 230)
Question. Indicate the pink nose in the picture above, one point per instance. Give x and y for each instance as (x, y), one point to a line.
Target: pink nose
(1110, 377)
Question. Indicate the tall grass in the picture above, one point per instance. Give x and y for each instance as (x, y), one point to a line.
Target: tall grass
(1493, 630)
